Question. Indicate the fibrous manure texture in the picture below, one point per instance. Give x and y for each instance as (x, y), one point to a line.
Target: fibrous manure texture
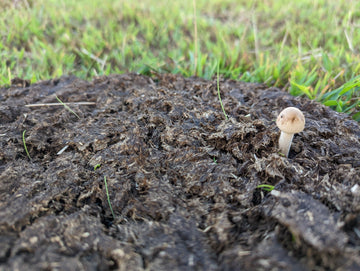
(182, 180)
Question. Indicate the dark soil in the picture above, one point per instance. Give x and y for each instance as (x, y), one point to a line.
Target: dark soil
(182, 180)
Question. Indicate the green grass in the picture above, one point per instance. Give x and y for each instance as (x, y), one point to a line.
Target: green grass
(108, 197)
(218, 91)
(266, 187)
(306, 47)
(66, 107)
(26, 150)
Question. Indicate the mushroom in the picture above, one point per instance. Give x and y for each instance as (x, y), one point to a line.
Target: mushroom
(290, 121)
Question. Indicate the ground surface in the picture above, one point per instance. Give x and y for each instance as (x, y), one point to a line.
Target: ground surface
(182, 180)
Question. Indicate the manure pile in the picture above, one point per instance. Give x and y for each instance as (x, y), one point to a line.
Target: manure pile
(182, 180)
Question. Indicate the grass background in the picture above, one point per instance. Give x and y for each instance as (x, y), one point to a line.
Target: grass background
(306, 47)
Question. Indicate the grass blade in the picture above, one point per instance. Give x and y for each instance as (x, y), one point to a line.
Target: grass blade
(108, 197)
(266, 187)
(218, 90)
(26, 150)
(67, 107)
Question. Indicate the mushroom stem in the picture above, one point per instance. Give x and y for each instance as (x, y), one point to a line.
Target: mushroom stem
(285, 140)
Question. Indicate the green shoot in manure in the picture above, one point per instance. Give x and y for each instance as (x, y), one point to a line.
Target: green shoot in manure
(26, 150)
(108, 197)
(266, 187)
(67, 107)
(218, 90)
(97, 166)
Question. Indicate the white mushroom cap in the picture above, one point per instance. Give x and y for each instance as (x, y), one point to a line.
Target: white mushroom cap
(291, 120)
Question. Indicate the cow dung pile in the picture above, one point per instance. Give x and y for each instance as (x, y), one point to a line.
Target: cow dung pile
(185, 184)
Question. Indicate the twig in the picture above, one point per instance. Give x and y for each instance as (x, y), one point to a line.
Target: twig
(62, 150)
(55, 104)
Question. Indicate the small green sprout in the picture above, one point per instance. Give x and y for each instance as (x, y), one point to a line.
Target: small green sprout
(97, 166)
(108, 197)
(266, 187)
(26, 150)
